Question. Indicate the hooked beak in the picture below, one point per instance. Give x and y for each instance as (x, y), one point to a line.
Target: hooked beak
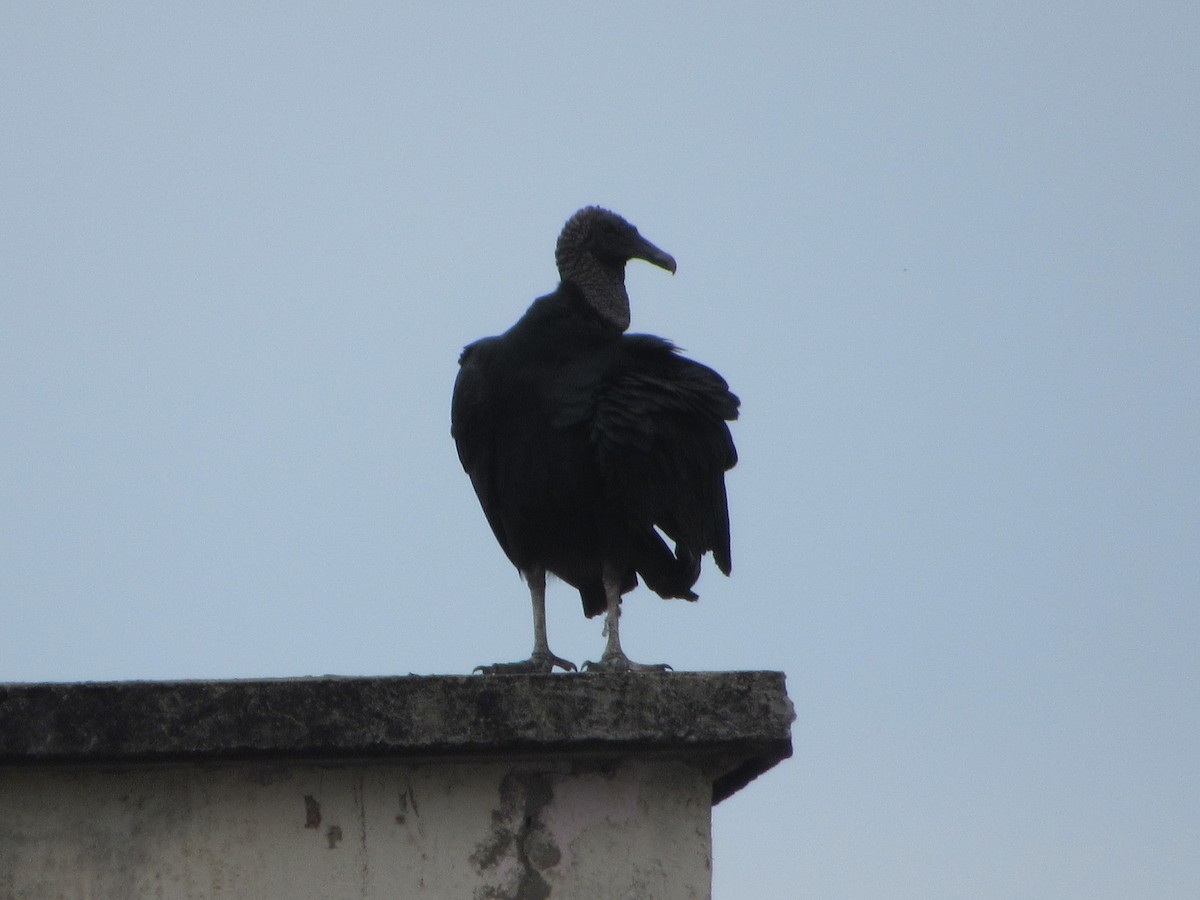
(651, 254)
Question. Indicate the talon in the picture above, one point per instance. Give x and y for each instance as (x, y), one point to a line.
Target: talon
(619, 662)
(537, 664)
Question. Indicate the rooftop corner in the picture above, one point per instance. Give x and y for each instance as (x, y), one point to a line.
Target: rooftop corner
(736, 725)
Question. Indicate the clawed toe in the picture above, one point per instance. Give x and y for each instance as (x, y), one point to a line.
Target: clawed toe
(538, 664)
(619, 662)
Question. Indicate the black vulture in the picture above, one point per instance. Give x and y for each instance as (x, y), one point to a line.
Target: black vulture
(586, 445)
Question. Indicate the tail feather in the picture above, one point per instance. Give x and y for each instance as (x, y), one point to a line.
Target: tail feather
(670, 575)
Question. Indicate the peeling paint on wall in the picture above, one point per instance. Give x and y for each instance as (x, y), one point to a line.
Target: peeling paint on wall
(312, 812)
(519, 848)
(334, 836)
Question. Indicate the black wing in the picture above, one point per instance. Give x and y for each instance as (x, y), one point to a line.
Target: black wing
(659, 433)
(473, 427)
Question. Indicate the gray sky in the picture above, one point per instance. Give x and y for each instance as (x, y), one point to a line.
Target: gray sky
(946, 253)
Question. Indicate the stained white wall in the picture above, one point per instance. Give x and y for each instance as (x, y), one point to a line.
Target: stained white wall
(363, 831)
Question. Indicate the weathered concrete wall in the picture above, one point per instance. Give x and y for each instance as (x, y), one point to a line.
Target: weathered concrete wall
(485, 788)
(249, 832)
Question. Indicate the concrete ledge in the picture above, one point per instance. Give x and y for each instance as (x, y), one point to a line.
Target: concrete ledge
(503, 787)
(734, 724)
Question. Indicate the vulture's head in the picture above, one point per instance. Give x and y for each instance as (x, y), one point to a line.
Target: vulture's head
(608, 239)
(591, 253)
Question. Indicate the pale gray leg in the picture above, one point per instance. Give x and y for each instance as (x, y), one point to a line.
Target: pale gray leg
(614, 658)
(542, 660)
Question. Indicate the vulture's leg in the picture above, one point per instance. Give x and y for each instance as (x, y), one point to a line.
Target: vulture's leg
(614, 658)
(542, 659)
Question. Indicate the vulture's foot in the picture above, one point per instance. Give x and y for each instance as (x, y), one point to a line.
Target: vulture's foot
(538, 664)
(619, 662)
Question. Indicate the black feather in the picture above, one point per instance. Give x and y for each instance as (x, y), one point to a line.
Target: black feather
(584, 443)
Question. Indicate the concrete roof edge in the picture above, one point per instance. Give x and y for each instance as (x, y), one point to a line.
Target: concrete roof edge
(737, 724)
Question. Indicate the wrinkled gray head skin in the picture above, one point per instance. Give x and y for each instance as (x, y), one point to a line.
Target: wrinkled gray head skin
(592, 251)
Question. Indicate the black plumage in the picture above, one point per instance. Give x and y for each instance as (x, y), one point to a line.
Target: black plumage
(585, 444)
